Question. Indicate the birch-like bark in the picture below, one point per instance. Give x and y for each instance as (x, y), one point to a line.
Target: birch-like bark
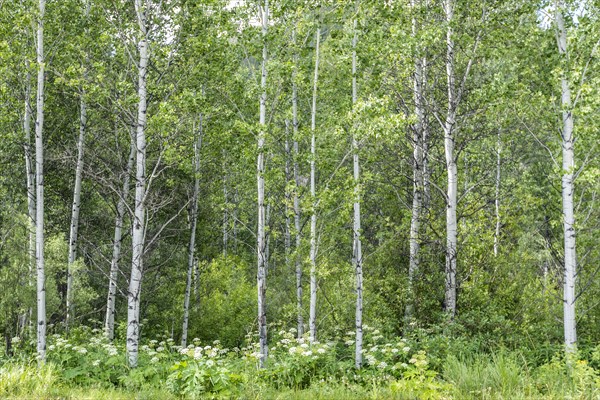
(30, 174)
(260, 170)
(109, 323)
(39, 180)
(268, 237)
(75, 210)
(497, 199)
(357, 259)
(451, 168)
(287, 236)
(297, 226)
(568, 188)
(192, 245)
(418, 178)
(234, 228)
(425, 130)
(313, 194)
(74, 230)
(137, 240)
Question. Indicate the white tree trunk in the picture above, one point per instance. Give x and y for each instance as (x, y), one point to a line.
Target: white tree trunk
(297, 226)
(260, 170)
(75, 210)
(39, 164)
(234, 228)
(418, 178)
(73, 232)
(425, 141)
(192, 245)
(109, 324)
(497, 199)
(137, 240)
(30, 173)
(313, 194)
(288, 223)
(568, 188)
(357, 259)
(268, 237)
(451, 168)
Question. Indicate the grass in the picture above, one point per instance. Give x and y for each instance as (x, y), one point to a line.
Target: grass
(507, 376)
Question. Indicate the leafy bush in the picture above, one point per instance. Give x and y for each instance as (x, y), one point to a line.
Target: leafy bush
(572, 378)
(419, 382)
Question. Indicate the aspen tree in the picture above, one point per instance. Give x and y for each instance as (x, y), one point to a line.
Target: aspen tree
(137, 240)
(192, 244)
(74, 230)
(39, 180)
(357, 258)
(313, 194)
(567, 187)
(297, 211)
(109, 322)
(260, 170)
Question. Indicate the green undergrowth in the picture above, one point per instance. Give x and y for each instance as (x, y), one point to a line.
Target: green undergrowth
(87, 366)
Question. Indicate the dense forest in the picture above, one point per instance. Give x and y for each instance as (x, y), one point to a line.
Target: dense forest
(300, 199)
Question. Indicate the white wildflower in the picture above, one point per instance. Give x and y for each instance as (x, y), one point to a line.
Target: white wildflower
(307, 353)
(321, 351)
(154, 360)
(96, 363)
(197, 353)
(382, 365)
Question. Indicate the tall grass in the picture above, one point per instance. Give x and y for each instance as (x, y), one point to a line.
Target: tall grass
(26, 380)
(508, 376)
